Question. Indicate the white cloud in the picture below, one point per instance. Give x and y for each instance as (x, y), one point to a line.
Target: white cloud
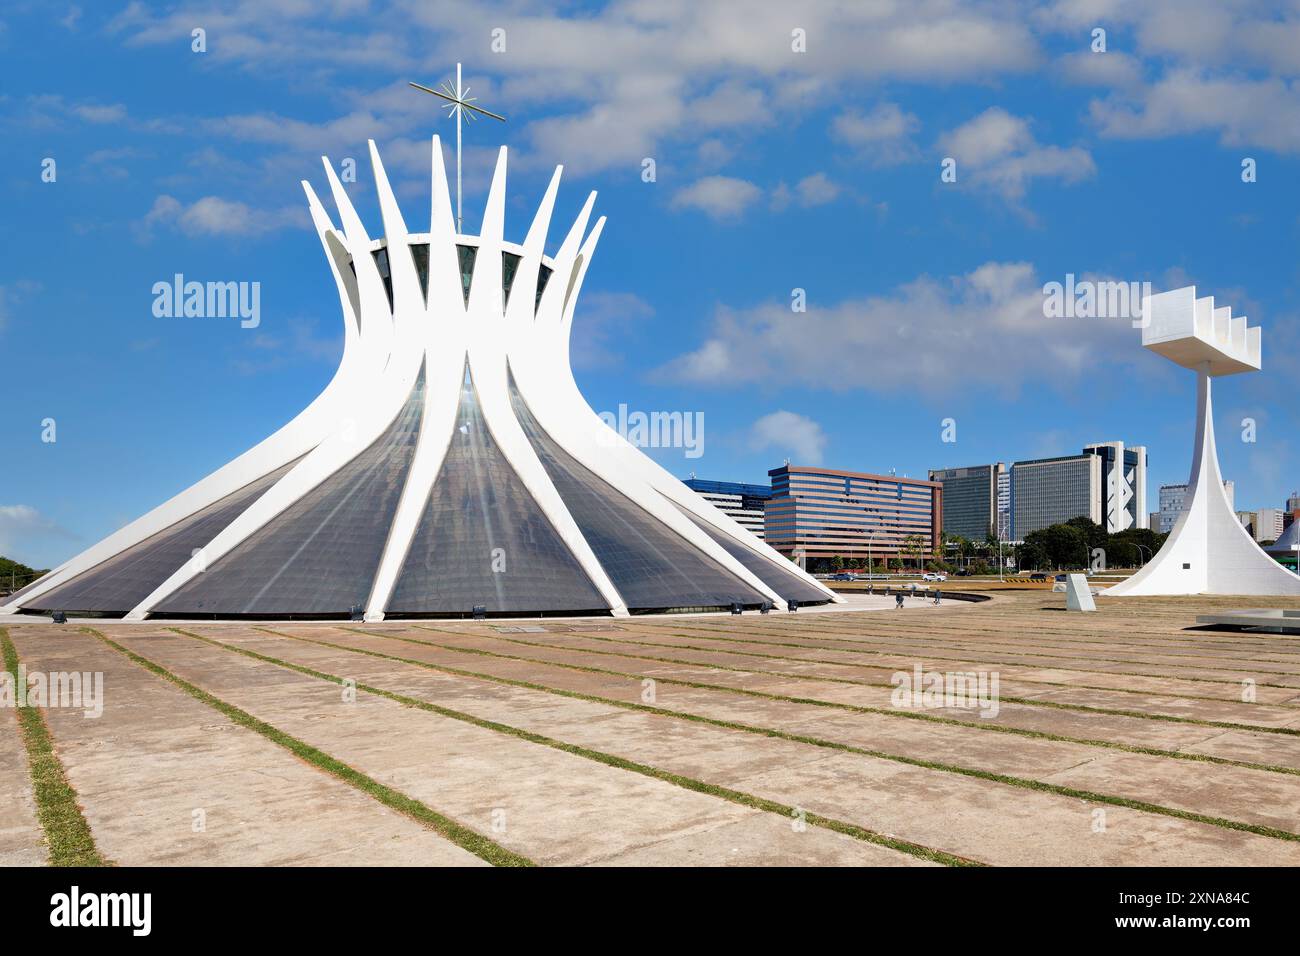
(629, 78)
(789, 433)
(930, 336)
(21, 526)
(214, 216)
(14, 294)
(1243, 111)
(1220, 67)
(815, 190)
(996, 150)
(883, 136)
(291, 342)
(602, 322)
(719, 197)
(1112, 68)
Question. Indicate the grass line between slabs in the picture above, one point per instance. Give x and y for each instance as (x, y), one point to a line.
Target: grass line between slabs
(612, 760)
(1026, 701)
(462, 836)
(1184, 637)
(967, 640)
(1020, 782)
(67, 834)
(809, 660)
(908, 647)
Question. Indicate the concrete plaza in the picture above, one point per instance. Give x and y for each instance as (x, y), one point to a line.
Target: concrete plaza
(1124, 737)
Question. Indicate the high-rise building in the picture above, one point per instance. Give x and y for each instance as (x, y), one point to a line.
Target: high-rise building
(1268, 524)
(970, 499)
(1050, 491)
(1293, 503)
(820, 512)
(1173, 499)
(1123, 485)
(743, 502)
(1004, 505)
(1106, 482)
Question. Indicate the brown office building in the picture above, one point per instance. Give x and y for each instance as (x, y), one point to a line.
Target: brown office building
(821, 513)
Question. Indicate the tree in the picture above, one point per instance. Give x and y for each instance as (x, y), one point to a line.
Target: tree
(1059, 545)
(1094, 535)
(914, 546)
(1031, 554)
(14, 575)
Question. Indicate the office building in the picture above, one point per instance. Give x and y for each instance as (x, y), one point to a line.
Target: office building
(1050, 491)
(1268, 524)
(1106, 483)
(1004, 505)
(971, 499)
(1123, 485)
(742, 502)
(821, 513)
(1173, 501)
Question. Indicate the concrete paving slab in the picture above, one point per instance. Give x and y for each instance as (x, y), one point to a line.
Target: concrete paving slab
(157, 755)
(551, 806)
(22, 843)
(723, 756)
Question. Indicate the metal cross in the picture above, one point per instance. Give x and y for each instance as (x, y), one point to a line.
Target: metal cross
(461, 105)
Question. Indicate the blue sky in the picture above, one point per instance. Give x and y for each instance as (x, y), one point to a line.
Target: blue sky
(775, 170)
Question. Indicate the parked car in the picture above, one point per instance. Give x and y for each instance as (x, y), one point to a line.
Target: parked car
(934, 576)
(1061, 577)
(962, 572)
(1038, 576)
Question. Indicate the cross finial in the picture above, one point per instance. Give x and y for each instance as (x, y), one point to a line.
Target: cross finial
(461, 105)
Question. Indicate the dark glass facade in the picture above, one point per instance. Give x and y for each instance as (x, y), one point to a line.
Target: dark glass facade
(118, 584)
(652, 567)
(320, 555)
(482, 539)
(970, 500)
(787, 584)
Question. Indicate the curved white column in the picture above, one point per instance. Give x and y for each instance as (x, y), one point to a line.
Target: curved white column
(1208, 551)
(295, 439)
(443, 332)
(373, 407)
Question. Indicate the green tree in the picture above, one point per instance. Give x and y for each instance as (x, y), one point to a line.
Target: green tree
(914, 547)
(14, 575)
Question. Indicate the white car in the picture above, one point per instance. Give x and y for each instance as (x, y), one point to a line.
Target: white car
(934, 576)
